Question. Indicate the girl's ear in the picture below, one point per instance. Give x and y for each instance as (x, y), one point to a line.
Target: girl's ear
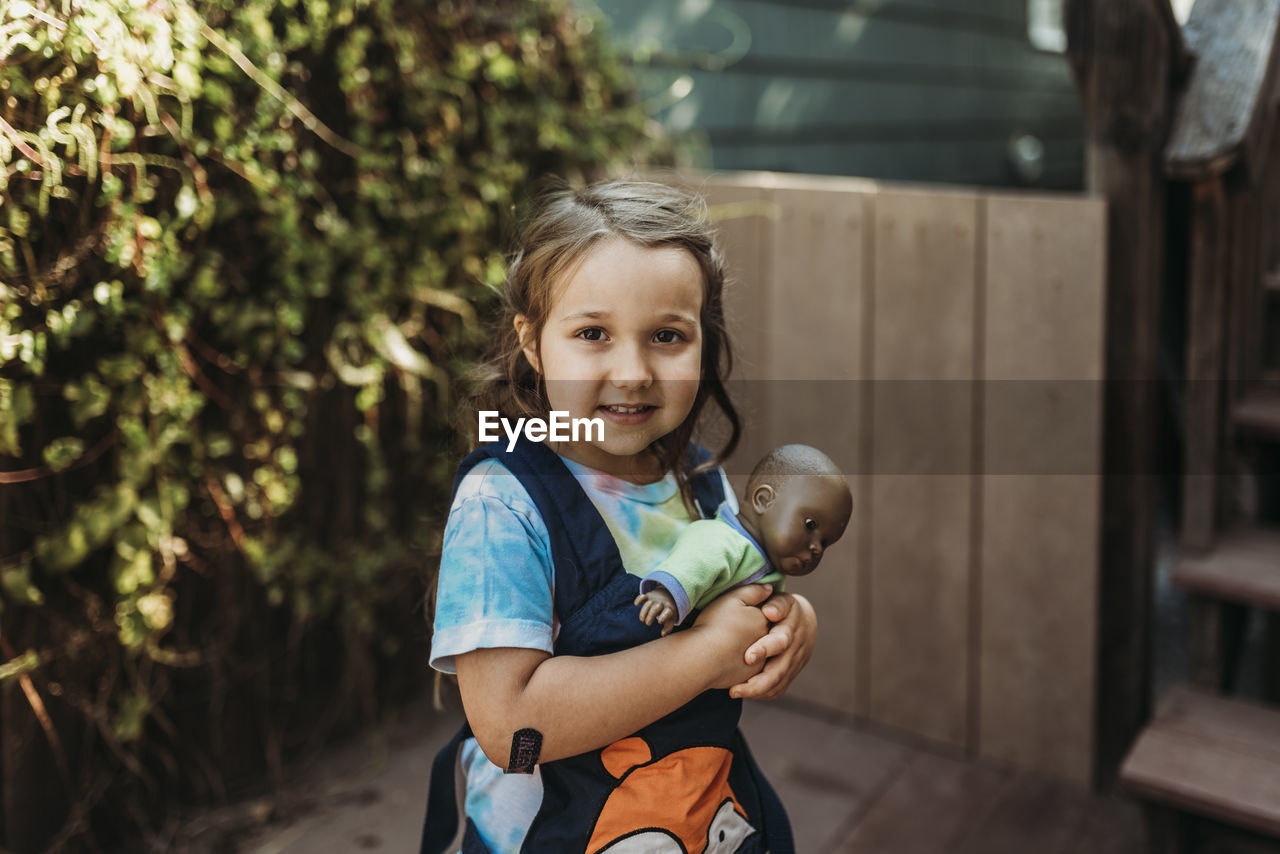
(762, 498)
(524, 331)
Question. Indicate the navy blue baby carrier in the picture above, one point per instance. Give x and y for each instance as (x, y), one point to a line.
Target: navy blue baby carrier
(594, 599)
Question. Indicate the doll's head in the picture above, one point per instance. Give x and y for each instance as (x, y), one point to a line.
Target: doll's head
(797, 503)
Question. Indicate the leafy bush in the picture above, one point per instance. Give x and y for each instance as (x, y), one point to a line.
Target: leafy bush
(243, 249)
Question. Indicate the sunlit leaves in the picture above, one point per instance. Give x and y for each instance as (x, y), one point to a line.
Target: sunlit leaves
(62, 452)
(245, 250)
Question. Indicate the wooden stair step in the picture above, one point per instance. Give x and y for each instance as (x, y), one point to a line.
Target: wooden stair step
(1243, 567)
(1259, 413)
(1211, 756)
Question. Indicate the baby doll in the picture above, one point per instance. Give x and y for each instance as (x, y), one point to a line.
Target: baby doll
(797, 503)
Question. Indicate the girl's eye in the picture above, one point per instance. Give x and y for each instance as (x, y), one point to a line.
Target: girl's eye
(592, 333)
(810, 525)
(666, 336)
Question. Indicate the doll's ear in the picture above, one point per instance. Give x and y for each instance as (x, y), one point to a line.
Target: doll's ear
(524, 331)
(762, 498)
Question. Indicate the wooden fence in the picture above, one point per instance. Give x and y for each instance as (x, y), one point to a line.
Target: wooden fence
(945, 347)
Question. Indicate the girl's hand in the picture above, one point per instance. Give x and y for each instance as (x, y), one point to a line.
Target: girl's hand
(785, 649)
(730, 624)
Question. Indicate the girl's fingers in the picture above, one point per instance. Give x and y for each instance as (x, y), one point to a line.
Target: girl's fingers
(763, 686)
(752, 594)
(789, 644)
(774, 643)
(778, 607)
(771, 682)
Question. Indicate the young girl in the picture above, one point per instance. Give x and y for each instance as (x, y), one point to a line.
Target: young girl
(586, 731)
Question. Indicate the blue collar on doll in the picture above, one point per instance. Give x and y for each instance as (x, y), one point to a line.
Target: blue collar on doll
(725, 514)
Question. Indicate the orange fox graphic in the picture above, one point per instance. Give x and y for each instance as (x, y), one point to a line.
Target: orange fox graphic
(691, 785)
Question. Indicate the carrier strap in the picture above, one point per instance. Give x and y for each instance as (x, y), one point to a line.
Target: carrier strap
(777, 827)
(583, 550)
(442, 799)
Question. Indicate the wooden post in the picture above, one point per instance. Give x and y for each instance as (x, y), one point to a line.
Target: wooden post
(1271, 657)
(1125, 58)
(1215, 635)
(1206, 324)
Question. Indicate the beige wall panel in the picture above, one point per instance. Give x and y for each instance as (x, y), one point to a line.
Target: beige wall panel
(815, 335)
(743, 217)
(958, 609)
(1045, 292)
(1040, 517)
(1039, 623)
(920, 457)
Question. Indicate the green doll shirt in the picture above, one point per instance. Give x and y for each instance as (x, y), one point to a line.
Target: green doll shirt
(709, 557)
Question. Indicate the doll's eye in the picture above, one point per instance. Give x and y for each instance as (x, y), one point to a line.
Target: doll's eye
(592, 333)
(666, 336)
(810, 525)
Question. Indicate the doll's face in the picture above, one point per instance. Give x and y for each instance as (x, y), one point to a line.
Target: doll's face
(799, 517)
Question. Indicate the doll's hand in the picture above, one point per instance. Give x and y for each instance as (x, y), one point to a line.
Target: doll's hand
(785, 649)
(658, 604)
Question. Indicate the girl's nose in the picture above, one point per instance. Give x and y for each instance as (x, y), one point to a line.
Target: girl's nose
(816, 548)
(630, 369)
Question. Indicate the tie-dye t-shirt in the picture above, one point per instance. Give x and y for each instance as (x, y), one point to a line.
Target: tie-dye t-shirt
(496, 590)
(709, 557)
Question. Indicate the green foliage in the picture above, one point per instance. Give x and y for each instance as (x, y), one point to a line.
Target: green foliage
(243, 250)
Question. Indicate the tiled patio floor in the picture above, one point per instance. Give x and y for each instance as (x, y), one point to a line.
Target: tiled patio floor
(848, 790)
(854, 790)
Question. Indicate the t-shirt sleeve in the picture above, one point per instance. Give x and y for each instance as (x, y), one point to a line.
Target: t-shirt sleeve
(495, 587)
(706, 557)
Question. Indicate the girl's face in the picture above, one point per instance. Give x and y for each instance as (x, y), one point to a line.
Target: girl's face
(623, 343)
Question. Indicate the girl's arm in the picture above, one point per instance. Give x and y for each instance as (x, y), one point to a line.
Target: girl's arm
(585, 703)
(787, 647)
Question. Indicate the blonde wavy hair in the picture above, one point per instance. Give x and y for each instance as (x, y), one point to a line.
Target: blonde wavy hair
(564, 225)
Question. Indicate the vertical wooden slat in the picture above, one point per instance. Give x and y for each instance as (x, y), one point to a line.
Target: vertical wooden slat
(1205, 325)
(977, 483)
(1238, 483)
(1245, 292)
(743, 212)
(1215, 635)
(1126, 60)
(1042, 399)
(921, 435)
(814, 309)
(866, 398)
(1271, 657)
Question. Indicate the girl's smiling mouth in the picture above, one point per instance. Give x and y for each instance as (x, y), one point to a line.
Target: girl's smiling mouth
(627, 414)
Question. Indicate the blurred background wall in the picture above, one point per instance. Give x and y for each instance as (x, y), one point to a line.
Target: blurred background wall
(950, 91)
